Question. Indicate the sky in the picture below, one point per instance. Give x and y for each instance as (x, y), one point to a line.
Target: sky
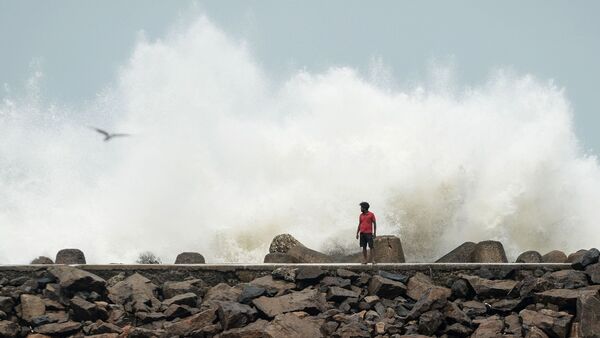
(80, 46)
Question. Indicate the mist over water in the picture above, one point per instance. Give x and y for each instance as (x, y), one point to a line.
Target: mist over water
(223, 158)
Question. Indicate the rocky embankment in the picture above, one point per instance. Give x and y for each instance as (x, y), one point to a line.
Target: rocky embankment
(307, 301)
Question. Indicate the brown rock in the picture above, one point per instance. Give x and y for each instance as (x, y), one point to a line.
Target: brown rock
(430, 321)
(563, 297)
(136, 292)
(84, 310)
(529, 257)
(593, 271)
(433, 299)
(418, 285)
(309, 300)
(32, 306)
(171, 289)
(70, 256)
(338, 294)
(462, 254)
(273, 286)
(193, 323)
(588, 314)
(73, 279)
(554, 256)
(252, 330)
(189, 258)
(534, 332)
(555, 323)
(568, 279)
(575, 255)
(42, 260)
(188, 299)
(488, 252)
(489, 327)
(59, 329)
(474, 308)
(177, 311)
(309, 274)
(453, 313)
(234, 315)
(221, 292)
(490, 288)
(9, 329)
(291, 326)
(386, 288)
(388, 249)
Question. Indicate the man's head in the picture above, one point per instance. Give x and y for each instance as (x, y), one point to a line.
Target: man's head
(364, 206)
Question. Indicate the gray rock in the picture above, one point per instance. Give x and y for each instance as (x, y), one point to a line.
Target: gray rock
(575, 255)
(136, 292)
(590, 257)
(529, 257)
(84, 310)
(490, 288)
(488, 252)
(289, 325)
(557, 324)
(59, 329)
(177, 311)
(462, 254)
(234, 315)
(70, 256)
(273, 286)
(283, 243)
(588, 314)
(306, 255)
(568, 279)
(394, 276)
(461, 289)
(189, 258)
(73, 280)
(308, 300)
(6, 304)
(593, 271)
(9, 329)
(32, 306)
(285, 273)
(338, 294)
(430, 321)
(42, 260)
(189, 299)
(171, 289)
(564, 298)
(309, 274)
(555, 256)
(252, 330)
(435, 298)
(386, 288)
(186, 326)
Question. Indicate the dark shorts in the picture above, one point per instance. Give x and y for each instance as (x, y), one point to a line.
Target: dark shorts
(366, 239)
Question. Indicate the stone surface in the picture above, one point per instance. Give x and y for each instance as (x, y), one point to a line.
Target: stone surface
(556, 324)
(252, 330)
(73, 279)
(171, 289)
(291, 326)
(433, 299)
(70, 256)
(306, 255)
(309, 300)
(529, 257)
(9, 329)
(490, 288)
(59, 329)
(235, 315)
(588, 315)
(588, 258)
(488, 252)
(568, 279)
(32, 306)
(386, 288)
(136, 292)
(462, 254)
(338, 294)
(575, 255)
(84, 310)
(42, 260)
(593, 272)
(6, 304)
(418, 285)
(283, 243)
(189, 299)
(563, 297)
(278, 257)
(309, 274)
(189, 258)
(388, 249)
(489, 327)
(192, 323)
(555, 256)
(430, 321)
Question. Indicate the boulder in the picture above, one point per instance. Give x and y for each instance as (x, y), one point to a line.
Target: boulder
(72, 279)
(289, 325)
(234, 315)
(556, 324)
(176, 311)
(461, 289)
(221, 292)
(418, 285)
(564, 298)
(555, 256)
(249, 292)
(474, 308)
(307, 275)
(189, 258)
(6, 304)
(488, 252)
(196, 322)
(285, 272)
(171, 289)
(529, 257)
(278, 257)
(32, 306)
(593, 271)
(588, 258)
(462, 254)
(453, 313)
(433, 299)
(9, 329)
(136, 292)
(70, 256)
(386, 288)
(252, 330)
(489, 327)
(568, 279)
(84, 310)
(283, 243)
(308, 300)
(59, 329)
(42, 260)
(490, 288)
(393, 276)
(273, 286)
(338, 294)
(189, 299)
(430, 321)
(575, 255)
(388, 249)
(588, 315)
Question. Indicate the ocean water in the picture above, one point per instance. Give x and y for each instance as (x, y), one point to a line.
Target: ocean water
(223, 158)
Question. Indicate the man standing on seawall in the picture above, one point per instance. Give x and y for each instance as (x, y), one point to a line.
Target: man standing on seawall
(367, 228)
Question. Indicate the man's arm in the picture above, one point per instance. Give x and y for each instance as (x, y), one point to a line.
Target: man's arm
(374, 228)
(358, 228)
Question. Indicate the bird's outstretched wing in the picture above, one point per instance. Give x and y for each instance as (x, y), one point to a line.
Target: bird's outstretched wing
(119, 135)
(105, 133)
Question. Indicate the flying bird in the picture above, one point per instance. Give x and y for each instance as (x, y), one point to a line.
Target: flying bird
(107, 135)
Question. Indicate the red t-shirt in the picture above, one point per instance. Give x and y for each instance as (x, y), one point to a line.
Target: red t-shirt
(366, 222)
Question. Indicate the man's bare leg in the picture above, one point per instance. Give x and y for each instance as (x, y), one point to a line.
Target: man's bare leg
(364, 255)
(371, 256)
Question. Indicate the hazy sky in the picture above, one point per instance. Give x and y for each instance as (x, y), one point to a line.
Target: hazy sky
(79, 45)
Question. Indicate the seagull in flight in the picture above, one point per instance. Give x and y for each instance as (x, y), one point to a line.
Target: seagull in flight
(107, 135)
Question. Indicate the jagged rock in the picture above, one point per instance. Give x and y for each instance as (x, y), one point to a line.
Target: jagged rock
(249, 292)
(593, 271)
(430, 321)
(70, 256)
(42, 260)
(490, 288)
(506, 305)
(568, 279)
(101, 327)
(557, 324)
(32, 306)
(338, 294)
(186, 326)
(9, 329)
(488, 252)
(453, 313)
(458, 330)
(554, 256)
(73, 280)
(418, 285)
(388, 249)
(489, 327)
(177, 311)
(252, 330)
(393, 276)
(189, 258)
(189, 299)
(309, 300)
(278, 257)
(283, 243)
(286, 273)
(136, 292)
(588, 314)
(335, 281)
(575, 255)
(588, 258)
(352, 329)
(309, 275)
(140, 332)
(462, 254)
(534, 332)
(563, 297)
(343, 273)
(84, 310)
(234, 315)
(474, 308)
(306, 255)
(529, 257)
(273, 286)
(171, 289)
(289, 325)
(149, 317)
(6, 304)
(461, 289)
(386, 288)
(433, 299)
(59, 329)
(221, 293)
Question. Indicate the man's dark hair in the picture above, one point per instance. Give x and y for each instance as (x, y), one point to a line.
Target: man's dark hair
(365, 204)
